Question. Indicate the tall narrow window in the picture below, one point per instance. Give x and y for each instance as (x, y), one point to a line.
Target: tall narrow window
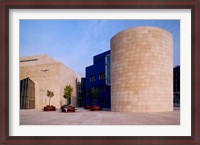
(107, 68)
(92, 78)
(102, 76)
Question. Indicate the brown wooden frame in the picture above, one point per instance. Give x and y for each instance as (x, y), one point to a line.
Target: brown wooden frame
(98, 4)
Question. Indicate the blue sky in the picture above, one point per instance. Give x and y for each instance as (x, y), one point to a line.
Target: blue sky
(75, 42)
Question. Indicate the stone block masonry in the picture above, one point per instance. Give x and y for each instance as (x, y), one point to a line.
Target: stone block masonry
(55, 79)
(142, 70)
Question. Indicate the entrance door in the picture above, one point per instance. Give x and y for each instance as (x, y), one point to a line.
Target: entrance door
(27, 94)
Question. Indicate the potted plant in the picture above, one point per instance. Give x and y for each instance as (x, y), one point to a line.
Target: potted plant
(67, 95)
(49, 107)
(94, 95)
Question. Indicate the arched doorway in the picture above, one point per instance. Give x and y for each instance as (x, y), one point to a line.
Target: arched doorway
(27, 94)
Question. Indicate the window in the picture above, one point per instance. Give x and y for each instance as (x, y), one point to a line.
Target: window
(28, 60)
(102, 89)
(92, 78)
(102, 76)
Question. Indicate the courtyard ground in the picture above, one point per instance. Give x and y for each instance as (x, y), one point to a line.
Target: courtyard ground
(87, 117)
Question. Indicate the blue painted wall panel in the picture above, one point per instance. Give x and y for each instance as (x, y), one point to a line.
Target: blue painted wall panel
(96, 69)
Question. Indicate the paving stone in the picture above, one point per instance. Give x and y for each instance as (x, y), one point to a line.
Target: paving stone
(86, 117)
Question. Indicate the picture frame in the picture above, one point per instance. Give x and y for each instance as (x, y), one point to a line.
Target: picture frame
(6, 5)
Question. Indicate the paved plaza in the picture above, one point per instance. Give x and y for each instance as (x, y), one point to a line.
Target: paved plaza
(87, 117)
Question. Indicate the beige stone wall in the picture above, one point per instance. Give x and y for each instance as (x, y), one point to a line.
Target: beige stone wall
(54, 79)
(142, 70)
(68, 77)
(44, 81)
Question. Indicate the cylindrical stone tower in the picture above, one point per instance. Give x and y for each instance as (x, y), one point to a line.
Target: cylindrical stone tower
(142, 70)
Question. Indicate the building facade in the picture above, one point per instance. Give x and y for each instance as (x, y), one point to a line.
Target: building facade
(176, 86)
(81, 93)
(48, 74)
(98, 77)
(142, 70)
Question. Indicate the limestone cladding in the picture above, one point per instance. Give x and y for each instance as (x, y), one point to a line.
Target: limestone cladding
(142, 70)
(55, 78)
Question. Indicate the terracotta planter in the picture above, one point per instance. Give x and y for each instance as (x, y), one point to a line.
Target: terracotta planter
(66, 108)
(71, 109)
(95, 108)
(49, 108)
